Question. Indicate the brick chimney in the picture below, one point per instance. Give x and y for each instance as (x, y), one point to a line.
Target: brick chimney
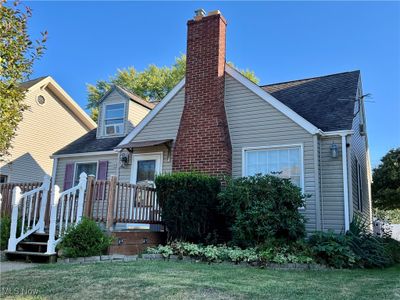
(203, 142)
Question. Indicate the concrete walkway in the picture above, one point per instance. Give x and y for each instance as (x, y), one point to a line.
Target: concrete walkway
(6, 266)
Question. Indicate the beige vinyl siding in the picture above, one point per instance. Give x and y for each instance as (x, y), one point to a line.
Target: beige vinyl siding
(165, 124)
(43, 130)
(136, 114)
(166, 167)
(358, 153)
(113, 98)
(254, 123)
(62, 162)
(331, 178)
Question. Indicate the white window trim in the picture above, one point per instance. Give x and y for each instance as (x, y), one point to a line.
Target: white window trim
(301, 146)
(158, 156)
(123, 119)
(360, 194)
(85, 162)
(7, 178)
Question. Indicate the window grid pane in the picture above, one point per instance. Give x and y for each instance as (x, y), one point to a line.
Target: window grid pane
(283, 162)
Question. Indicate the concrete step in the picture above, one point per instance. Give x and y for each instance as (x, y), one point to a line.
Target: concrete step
(30, 256)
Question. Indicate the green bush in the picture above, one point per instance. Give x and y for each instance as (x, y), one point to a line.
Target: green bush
(260, 209)
(5, 224)
(332, 249)
(369, 249)
(84, 239)
(297, 252)
(189, 205)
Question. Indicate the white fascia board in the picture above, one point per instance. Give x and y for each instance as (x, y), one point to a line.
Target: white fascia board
(272, 101)
(84, 154)
(153, 113)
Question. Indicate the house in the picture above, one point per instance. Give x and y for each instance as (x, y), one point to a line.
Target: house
(120, 111)
(216, 121)
(52, 121)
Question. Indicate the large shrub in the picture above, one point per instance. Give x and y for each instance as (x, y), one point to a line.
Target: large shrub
(189, 205)
(84, 239)
(260, 209)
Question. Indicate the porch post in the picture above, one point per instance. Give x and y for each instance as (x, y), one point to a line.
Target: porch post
(89, 196)
(12, 241)
(111, 201)
(43, 203)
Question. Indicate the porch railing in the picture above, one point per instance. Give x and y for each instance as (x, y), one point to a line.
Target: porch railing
(112, 202)
(66, 210)
(6, 192)
(28, 212)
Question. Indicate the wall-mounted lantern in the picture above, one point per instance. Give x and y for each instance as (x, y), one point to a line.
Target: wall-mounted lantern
(334, 150)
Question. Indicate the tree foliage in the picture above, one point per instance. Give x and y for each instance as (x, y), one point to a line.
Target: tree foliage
(386, 182)
(151, 84)
(17, 55)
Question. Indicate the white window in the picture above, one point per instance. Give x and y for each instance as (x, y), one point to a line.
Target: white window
(114, 119)
(285, 162)
(90, 168)
(359, 187)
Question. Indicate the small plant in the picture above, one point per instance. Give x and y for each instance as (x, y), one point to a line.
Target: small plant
(84, 239)
(5, 223)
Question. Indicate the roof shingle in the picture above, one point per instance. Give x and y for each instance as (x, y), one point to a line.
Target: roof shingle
(326, 101)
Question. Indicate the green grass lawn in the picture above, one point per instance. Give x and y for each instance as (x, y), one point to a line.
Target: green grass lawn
(185, 280)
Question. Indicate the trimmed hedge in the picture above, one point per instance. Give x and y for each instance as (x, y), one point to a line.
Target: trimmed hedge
(189, 205)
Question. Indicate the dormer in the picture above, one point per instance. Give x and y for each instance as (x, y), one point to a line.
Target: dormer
(119, 112)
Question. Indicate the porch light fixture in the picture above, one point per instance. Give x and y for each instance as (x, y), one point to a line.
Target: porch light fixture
(334, 150)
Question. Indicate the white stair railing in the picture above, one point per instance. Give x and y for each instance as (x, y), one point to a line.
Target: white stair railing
(28, 210)
(66, 210)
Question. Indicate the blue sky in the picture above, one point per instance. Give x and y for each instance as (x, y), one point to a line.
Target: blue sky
(280, 41)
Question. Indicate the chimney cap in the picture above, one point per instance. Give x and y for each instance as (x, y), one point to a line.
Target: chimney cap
(200, 13)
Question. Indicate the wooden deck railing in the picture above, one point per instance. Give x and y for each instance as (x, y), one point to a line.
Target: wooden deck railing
(106, 201)
(6, 190)
(111, 202)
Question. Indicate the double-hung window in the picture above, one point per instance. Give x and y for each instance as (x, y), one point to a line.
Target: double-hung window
(90, 168)
(114, 119)
(285, 162)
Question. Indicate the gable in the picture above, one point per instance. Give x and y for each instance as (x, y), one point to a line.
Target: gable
(165, 124)
(114, 97)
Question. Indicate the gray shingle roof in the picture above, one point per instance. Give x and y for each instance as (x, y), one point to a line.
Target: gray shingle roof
(89, 143)
(27, 84)
(320, 100)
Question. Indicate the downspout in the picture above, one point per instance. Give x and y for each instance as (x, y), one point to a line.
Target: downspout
(345, 184)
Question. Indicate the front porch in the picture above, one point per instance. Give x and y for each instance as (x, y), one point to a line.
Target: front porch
(128, 212)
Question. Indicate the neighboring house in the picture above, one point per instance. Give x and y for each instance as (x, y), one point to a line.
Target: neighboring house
(120, 111)
(52, 121)
(216, 121)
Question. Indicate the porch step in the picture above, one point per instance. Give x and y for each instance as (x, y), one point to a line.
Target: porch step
(32, 246)
(33, 243)
(31, 256)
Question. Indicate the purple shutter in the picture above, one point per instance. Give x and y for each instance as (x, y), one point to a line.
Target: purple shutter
(69, 176)
(102, 171)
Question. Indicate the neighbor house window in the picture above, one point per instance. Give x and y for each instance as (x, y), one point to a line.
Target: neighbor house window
(3, 178)
(283, 162)
(114, 118)
(88, 168)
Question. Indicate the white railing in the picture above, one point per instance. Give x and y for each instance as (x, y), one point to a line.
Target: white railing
(28, 212)
(66, 209)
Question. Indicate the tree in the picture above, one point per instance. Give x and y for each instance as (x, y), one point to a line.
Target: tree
(17, 55)
(386, 182)
(151, 84)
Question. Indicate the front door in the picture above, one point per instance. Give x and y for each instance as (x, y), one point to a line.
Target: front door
(145, 167)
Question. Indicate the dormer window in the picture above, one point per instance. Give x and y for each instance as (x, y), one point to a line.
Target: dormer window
(114, 119)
